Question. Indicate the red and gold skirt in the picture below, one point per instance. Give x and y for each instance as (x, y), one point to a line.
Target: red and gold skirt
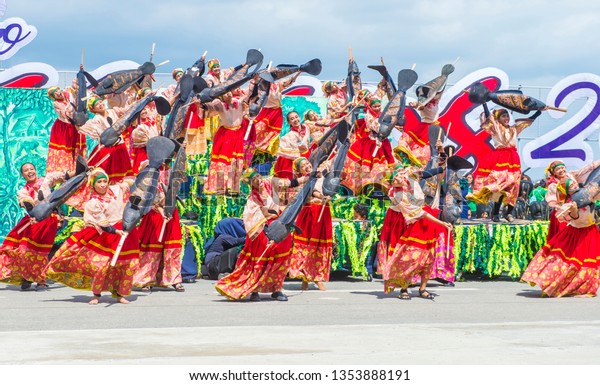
(160, 263)
(83, 262)
(394, 225)
(117, 165)
(257, 270)
(555, 226)
(66, 143)
(413, 255)
(499, 172)
(311, 256)
(568, 264)
(267, 127)
(24, 255)
(226, 161)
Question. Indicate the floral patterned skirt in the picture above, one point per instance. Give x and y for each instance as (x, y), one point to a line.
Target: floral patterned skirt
(24, 254)
(160, 260)
(569, 264)
(83, 262)
(312, 253)
(257, 270)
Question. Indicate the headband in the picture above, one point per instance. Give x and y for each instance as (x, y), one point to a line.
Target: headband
(176, 72)
(298, 162)
(52, 91)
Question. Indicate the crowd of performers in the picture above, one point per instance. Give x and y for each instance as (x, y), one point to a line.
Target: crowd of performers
(415, 242)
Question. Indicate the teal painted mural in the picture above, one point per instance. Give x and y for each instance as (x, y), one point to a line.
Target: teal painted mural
(26, 117)
(301, 104)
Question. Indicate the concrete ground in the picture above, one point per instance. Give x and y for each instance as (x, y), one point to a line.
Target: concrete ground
(353, 322)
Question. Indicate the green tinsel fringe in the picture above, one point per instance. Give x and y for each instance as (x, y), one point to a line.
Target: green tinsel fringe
(353, 246)
(501, 249)
(66, 231)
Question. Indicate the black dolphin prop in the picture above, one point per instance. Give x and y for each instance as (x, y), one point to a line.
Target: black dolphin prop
(513, 100)
(111, 135)
(312, 67)
(590, 191)
(60, 195)
(386, 75)
(176, 178)
(80, 116)
(119, 81)
(254, 58)
(429, 90)
(393, 113)
(143, 191)
(176, 124)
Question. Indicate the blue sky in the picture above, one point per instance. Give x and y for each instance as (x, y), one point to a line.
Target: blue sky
(536, 42)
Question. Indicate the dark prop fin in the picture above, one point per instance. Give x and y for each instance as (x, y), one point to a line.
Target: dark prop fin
(160, 150)
(386, 75)
(162, 105)
(478, 93)
(148, 68)
(406, 79)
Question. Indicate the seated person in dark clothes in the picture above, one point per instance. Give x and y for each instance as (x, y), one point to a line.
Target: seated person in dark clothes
(222, 250)
(222, 255)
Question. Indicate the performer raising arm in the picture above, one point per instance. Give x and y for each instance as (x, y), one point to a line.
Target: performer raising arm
(499, 173)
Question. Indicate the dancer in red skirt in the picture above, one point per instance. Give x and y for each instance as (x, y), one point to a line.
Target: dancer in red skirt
(118, 164)
(311, 257)
(293, 145)
(24, 252)
(194, 120)
(413, 252)
(569, 262)
(256, 270)
(414, 139)
(160, 257)
(498, 174)
(393, 225)
(269, 121)
(66, 143)
(362, 167)
(557, 195)
(145, 129)
(83, 261)
(227, 158)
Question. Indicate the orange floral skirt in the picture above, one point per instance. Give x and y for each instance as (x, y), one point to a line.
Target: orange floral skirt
(160, 261)
(568, 264)
(83, 262)
(255, 271)
(312, 253)
(24, 255)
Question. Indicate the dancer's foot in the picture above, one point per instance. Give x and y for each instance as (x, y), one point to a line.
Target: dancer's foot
(279, 296)
(25, 284)
(122, 300)
(321, 286)
(41, 287)
(304, 285)
(94, 301)
(179, 288)
(255, 297)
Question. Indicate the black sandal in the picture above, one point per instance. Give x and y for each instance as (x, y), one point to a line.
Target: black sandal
(509, 218)
(179, 288)
(425, 294)
(404, 295)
